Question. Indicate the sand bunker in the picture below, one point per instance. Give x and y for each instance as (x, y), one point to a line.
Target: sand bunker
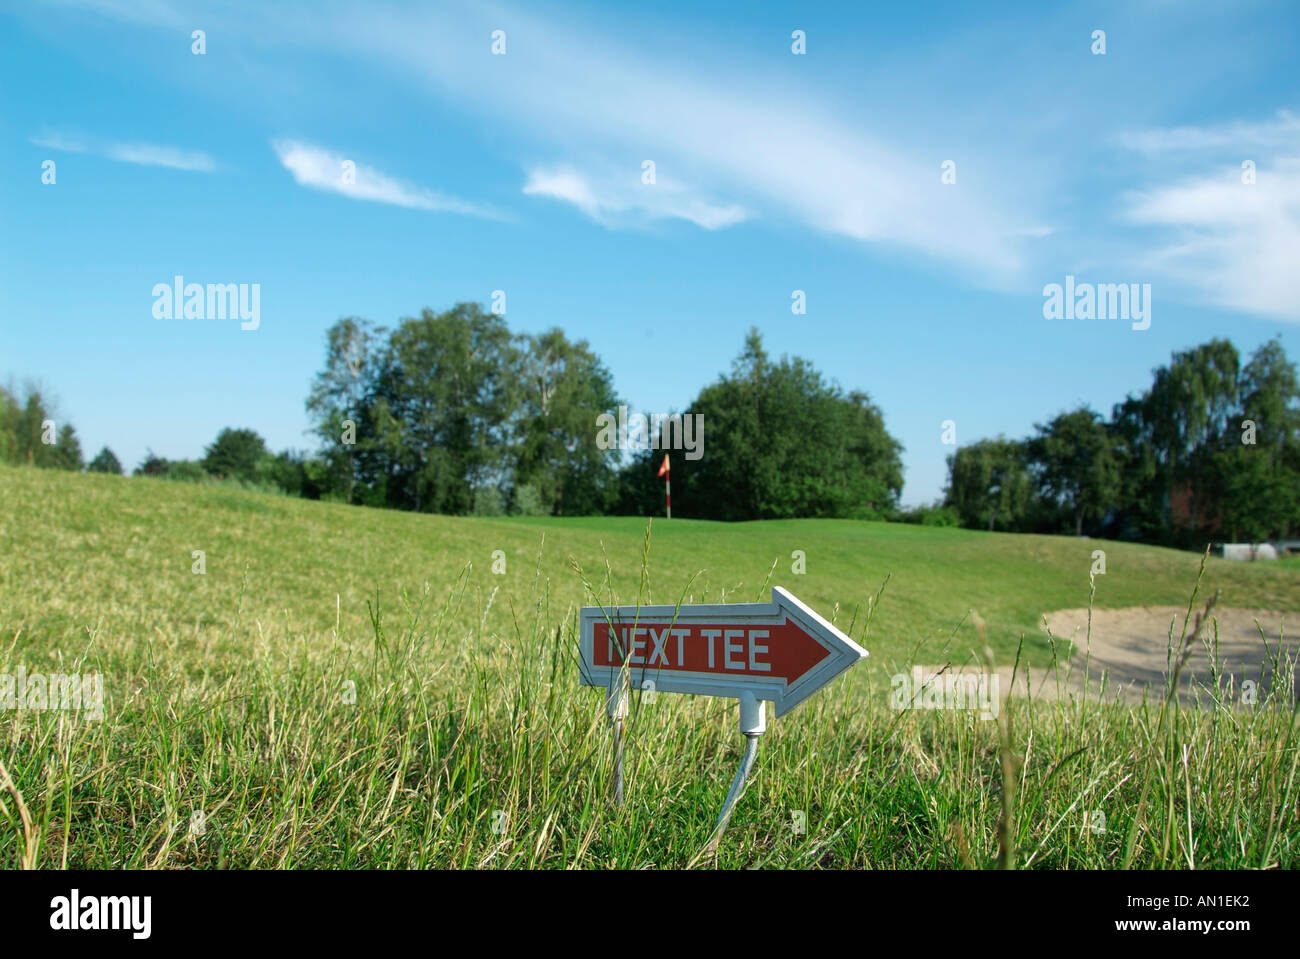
(1131, 646)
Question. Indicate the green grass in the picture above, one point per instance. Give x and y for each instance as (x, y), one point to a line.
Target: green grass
(225, 694)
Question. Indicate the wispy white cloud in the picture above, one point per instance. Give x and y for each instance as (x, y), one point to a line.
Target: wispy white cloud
(739, 142)
(1235, 244)
(734, 141)
(322, 169)
(1212, 234)
(141, 154)
(619, 201)
(54, 140)
(147, 154)
(1282, 130)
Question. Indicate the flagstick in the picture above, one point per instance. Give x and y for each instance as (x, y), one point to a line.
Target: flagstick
(666, 472)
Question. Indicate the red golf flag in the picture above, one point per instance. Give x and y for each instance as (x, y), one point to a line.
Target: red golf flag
(664, 468)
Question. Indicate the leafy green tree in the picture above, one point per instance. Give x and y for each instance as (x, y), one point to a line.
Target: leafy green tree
(779, 442)
(152, 465)
(563, 388)
(32, 431)
(989, 483)
(876, 452)
(420, 419)
(26, 427)
(105, 461)
(234, 454)
(187, 471)
(1186, 474)
(1077, 465)
(527, 501)
(442, 398)
(33, 434)
(488, 501)
(1248, 493)
(319, 482)
(339, 397)
(286, 471)
(10, 416)
(1258, 469)
(1189, 408)
(66, 454)
(1142, 498)
(450, 403)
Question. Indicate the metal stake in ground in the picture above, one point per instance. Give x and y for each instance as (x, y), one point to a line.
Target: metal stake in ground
(753, 723)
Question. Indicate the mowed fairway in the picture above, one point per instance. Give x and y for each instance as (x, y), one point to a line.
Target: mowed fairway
(232, 737)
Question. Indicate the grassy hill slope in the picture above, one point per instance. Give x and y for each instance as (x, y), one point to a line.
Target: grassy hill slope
(115, 554)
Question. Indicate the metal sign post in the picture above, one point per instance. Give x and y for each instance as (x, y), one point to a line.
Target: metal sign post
(753, 723)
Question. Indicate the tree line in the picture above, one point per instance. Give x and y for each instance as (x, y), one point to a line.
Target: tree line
(32, 433)
(31, 436)
(451, 412)
(1210, 451)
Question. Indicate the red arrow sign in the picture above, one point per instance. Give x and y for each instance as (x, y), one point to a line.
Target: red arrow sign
(781, 651)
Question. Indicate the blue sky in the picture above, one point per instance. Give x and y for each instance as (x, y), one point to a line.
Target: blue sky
(522, 172)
